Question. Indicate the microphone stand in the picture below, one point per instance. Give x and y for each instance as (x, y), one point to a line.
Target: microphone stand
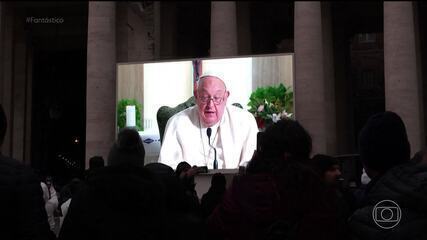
(215, 163)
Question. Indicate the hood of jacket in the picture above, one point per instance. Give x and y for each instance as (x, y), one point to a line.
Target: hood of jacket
(405, 189)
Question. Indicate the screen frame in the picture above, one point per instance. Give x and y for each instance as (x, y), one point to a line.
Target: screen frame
(170, 60)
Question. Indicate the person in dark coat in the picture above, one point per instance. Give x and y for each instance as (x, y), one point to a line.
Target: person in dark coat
(328, 168)
(329, 171)
(120, 201)
(186, 175)
(214, 195)
(182, 217)
(280, 196)
(394, 204)
(22, 208)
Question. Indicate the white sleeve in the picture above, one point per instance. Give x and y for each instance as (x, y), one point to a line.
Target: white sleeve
(249, 145)
(171, 150)
(53, 198)
(45, 191)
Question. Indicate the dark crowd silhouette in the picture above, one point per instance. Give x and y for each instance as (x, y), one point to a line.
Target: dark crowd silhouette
(282, 194)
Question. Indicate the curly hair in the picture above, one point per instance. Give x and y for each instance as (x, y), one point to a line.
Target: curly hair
(283, 142)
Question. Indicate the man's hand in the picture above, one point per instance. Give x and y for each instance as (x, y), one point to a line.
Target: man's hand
(192, 171)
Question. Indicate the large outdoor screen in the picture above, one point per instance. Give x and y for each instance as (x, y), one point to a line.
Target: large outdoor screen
(152, 85)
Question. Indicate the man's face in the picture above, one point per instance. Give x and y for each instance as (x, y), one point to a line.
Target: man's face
(211, 98)
(331, 175)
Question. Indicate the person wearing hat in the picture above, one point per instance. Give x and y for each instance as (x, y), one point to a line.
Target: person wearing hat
(210, 130)
(329, 170)
(327, 167)
(394, 204)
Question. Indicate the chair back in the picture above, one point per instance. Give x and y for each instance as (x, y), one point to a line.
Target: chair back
(165, 112)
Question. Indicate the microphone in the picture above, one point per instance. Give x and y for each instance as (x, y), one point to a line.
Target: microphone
(209, 133)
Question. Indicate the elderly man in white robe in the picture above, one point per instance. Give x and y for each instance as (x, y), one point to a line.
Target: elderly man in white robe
(233, 131)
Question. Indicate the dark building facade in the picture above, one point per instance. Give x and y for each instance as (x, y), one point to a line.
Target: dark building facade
(58, 77)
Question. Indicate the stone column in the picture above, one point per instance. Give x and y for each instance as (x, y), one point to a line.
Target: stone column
(7, 73)
(2, 79)
(1, 53)
(313, 87)
(403, 89)
(122, 32)
(28, 105)
(223, 29)
(19, 84)
(101, 79)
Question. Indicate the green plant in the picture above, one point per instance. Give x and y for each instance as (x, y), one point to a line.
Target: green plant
(121, 113)
(271, 103)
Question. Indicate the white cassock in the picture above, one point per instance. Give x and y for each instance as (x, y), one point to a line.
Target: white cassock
(185, 139)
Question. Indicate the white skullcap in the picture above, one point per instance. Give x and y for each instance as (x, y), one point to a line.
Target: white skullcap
(213, 74)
